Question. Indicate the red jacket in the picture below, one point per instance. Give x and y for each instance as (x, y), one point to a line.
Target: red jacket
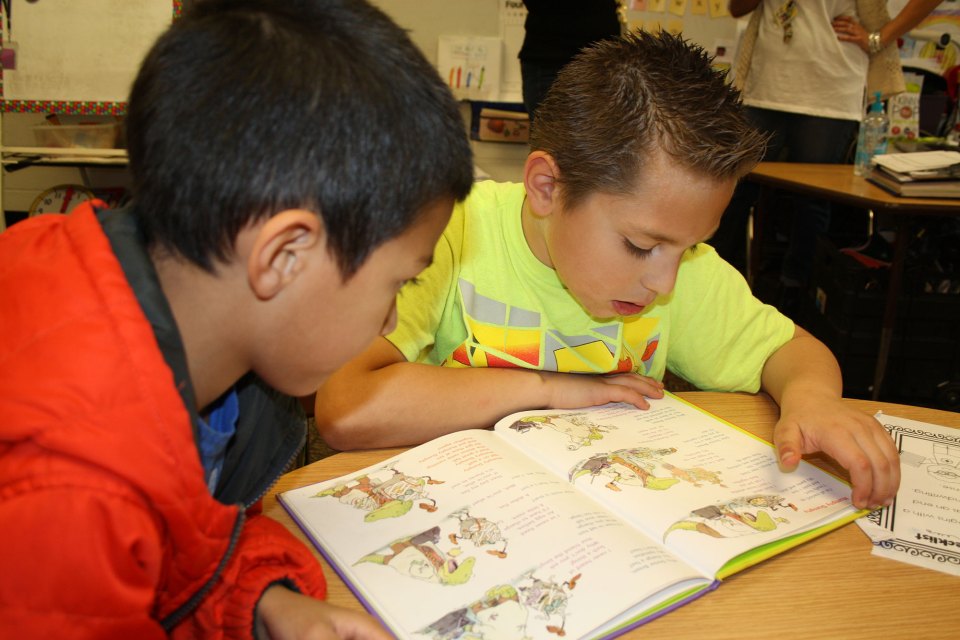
(107, 528)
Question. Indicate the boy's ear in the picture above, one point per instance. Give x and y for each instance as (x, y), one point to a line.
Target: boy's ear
(282, 249)
(540, 173)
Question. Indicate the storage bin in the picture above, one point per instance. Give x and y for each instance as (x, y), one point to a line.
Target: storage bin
(88, 136)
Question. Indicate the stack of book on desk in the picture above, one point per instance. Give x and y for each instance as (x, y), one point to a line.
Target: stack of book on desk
(924, 174)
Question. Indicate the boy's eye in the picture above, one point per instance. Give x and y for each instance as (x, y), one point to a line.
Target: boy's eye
(637, 251)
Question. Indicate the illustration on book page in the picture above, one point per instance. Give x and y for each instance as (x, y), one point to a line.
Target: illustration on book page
(739, 517)
(575, 426)
(436, 555)
(508, 610)
(637, 466)
(384, 493)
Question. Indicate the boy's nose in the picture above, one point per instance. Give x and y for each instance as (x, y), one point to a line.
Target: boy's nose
(662, 276)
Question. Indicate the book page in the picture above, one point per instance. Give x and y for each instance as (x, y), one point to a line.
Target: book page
(465, 532)
(706, 489)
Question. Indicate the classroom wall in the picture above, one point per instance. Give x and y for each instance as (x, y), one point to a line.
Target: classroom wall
(699, 20)
(71, 51)
(20, 188)
(427, 20)
(704, 22)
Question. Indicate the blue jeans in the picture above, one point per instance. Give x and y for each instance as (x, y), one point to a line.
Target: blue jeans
(795, 138)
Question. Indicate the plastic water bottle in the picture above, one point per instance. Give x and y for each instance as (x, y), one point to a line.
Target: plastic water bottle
(873, 136)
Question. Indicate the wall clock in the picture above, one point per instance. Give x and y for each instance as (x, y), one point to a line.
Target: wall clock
(60, 199)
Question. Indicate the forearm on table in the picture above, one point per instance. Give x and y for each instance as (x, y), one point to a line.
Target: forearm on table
(800, 371)
(408, 403)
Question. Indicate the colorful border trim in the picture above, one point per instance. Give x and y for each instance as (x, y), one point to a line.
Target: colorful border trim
(65, 107)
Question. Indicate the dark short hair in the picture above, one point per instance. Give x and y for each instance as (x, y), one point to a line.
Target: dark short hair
(244, 108)
(621, 99)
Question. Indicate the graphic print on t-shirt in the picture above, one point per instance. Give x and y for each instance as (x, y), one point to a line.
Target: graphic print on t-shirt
(503, 335)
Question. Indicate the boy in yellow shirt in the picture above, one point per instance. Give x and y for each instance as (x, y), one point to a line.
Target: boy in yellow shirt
(596, 264)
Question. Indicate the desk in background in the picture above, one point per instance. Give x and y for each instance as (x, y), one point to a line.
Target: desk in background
(831, 587)
(837, 183)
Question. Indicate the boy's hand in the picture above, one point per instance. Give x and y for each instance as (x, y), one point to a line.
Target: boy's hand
(288, 615)
(852, 438)
(572, 390)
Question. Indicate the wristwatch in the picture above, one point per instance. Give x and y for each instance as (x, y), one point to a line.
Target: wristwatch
(873, 42)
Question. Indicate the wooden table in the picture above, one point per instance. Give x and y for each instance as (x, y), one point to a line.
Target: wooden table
(831, 587)
(837, 183)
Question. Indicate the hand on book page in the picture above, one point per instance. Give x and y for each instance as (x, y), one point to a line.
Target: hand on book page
(666, 468)
(573, 390)
(855, 440)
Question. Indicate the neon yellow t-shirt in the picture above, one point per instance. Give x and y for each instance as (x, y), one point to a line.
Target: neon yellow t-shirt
(487, 301)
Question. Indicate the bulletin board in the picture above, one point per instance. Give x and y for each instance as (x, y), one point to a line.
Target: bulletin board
(77, 56)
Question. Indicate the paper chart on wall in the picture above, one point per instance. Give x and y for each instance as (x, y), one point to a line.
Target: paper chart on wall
(470, 65)
(922, 526)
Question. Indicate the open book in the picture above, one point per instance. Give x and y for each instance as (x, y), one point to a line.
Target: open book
(557, 523)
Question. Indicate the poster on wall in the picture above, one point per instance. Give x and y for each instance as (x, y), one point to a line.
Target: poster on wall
(471, 66)
(924, 46)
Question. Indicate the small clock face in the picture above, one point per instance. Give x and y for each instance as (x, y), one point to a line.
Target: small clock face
(60, 199)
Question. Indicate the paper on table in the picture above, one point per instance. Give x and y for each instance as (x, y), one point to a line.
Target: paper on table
(922, 526)
(918, 161)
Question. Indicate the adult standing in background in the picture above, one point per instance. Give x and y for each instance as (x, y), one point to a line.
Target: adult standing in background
(803, 68)
(554, 32)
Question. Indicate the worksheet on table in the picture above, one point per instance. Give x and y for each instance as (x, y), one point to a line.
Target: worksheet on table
(922, 526)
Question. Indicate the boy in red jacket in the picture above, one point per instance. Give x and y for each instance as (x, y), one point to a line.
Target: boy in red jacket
(294, 164)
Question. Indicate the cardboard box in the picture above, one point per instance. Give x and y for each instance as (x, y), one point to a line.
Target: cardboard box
(501, 125)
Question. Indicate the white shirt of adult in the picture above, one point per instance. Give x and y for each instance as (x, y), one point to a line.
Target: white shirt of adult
(814, 73)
